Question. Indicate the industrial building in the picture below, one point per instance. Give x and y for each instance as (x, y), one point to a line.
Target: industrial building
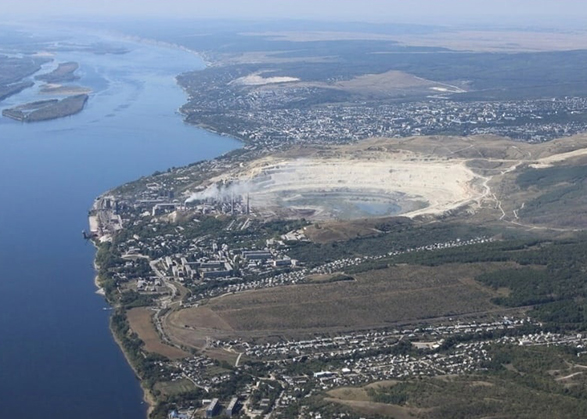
(215, 269)
(257, 255)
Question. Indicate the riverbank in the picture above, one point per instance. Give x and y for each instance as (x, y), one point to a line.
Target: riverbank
(148, 397)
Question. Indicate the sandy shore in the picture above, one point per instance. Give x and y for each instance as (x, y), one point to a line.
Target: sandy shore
(58, 89)
(100, 290)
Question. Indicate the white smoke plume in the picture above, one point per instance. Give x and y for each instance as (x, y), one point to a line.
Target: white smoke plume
(222, 191)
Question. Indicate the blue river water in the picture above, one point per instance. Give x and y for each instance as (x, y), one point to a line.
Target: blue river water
(57, 357)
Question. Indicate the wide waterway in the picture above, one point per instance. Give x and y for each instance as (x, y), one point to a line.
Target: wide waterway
(57, 357)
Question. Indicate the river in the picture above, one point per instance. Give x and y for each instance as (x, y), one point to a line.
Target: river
(57, 357)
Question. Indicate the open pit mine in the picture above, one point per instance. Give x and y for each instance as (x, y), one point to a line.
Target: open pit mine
(347, 183)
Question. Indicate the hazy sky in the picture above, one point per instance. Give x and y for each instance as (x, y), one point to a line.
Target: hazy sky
(358, 10)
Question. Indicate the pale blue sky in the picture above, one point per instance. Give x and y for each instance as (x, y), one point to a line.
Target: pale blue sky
(358, 10)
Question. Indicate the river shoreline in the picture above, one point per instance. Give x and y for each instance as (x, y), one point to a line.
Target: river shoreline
(148, 397)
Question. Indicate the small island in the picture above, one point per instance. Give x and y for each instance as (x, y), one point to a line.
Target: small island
(45, 110)
(59, 89)
(64, 72)
(99, 48)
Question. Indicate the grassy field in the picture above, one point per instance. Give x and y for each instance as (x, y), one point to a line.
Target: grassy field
(399, 294)
(374, 408)
(140, 322)
(360, 399)
(193, 326)
(171, 388)
(220, 354)
(347, 230)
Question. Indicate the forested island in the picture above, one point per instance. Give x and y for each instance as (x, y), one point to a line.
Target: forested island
(47, 109)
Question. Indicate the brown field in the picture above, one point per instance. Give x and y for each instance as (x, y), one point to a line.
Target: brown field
(193, 326)
(358, 394)
(140, 322)
(359, 400)
(373, 408)
(401, 294)
(500, 41)
(338, 231)
(346, 230)
(222, 355)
